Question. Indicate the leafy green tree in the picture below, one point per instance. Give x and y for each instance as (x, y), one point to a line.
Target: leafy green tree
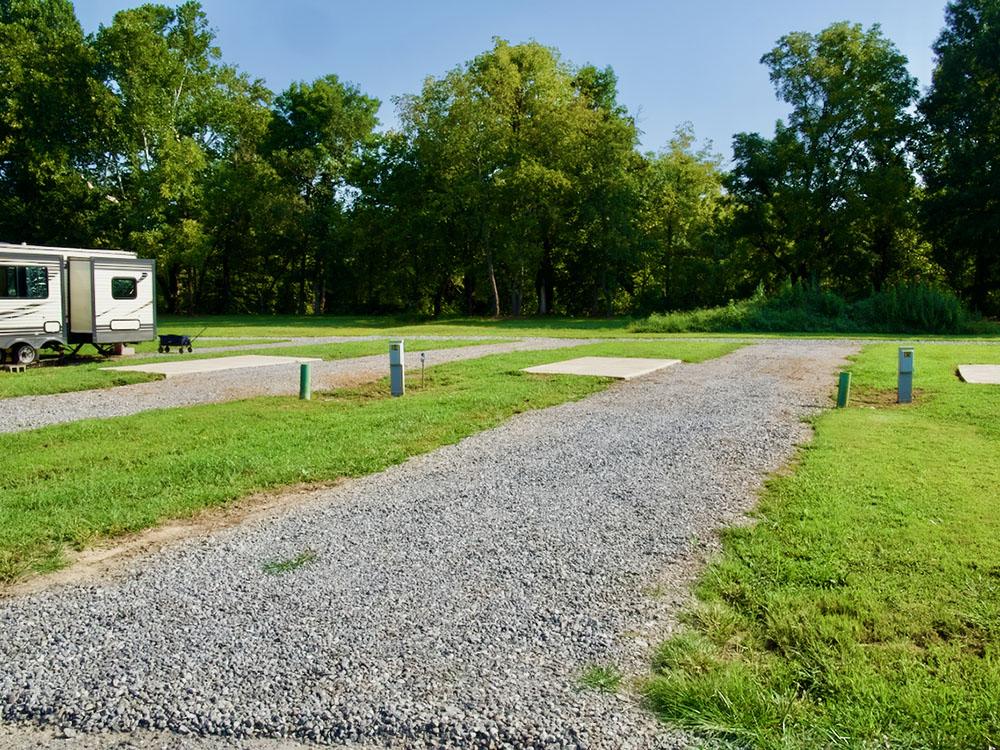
(444, 185)
(682, 198)
(314, 141)
(599, 245)
(960, 157)
(247, 209)
(52, 108)
(521, 158)
(830, 197)
(177, 109)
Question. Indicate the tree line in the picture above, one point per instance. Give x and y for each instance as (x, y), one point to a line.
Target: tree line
(514, 183)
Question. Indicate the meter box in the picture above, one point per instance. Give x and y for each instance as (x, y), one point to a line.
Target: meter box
(904, 387)
(397, 357)
(905, 359)
(396, 351)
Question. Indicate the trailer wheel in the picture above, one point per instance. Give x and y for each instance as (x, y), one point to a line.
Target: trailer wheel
(159, 349)
(190, 350)
(166, 348)
(25, 354)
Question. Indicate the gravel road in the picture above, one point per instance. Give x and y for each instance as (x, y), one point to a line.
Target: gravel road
(31, 412)
(451, 601)
(291, 341)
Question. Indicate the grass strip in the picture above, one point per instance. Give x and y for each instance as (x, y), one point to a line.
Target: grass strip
(543, 326)
(49, 379)
(66, 486)
(863, 607)
(87, 375)
(399, 325)
(148, 347)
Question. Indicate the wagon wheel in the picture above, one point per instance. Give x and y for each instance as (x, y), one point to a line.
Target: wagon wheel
(190, 350)
(160, 349)
(166, 348)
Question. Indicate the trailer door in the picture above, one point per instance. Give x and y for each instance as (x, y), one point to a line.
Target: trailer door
(81, 297)
(124, 294)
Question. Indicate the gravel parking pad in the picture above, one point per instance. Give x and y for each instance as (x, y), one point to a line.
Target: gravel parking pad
(451, 601)
(31, 412)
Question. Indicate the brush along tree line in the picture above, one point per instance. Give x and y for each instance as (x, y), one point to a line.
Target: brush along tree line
(513, 184)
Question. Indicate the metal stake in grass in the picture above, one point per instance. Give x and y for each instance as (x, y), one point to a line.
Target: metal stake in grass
(843, 390)
(423, 356)
(305, 382)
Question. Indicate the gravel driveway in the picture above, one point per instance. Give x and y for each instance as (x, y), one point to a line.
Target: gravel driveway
(454, 600)
(30, 412)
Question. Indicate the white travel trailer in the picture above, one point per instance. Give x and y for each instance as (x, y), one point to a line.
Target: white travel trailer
(60, 297)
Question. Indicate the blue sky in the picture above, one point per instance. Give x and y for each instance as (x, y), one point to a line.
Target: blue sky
(695, 61)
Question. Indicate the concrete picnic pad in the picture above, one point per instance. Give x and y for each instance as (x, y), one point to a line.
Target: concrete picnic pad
(988, 374)
(196, 366)
(625, 368)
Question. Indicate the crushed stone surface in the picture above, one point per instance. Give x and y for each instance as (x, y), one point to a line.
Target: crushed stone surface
(30, 412)
(454, 600)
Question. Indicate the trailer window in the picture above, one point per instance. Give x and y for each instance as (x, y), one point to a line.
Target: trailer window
(123, 288)
(24, 282)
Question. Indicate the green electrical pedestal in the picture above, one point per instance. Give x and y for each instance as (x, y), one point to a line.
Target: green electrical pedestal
(305, 381)
(843, 390)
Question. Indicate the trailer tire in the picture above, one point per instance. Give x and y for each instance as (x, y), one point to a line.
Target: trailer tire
(25, 354)
(190, 350)
(160, 349)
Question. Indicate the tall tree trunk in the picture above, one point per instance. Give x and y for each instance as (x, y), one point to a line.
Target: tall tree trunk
(609, 300)
(544, 281)
(319, 279)
(883, 251)
(469, 290)
(226, 285)
(173, 284)
(981, 279)
(668, 268)
(495, 312)
(300, 307)
(438, 300)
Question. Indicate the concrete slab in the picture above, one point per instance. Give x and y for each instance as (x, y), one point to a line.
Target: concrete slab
(624, 368)
(989, 374)
(218, 364)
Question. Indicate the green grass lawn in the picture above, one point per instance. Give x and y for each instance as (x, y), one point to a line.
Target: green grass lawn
(88, 374)
(41, 381)
(153, 346)
(69, 485)
(862, 609)
(344, 325)
(555, 327)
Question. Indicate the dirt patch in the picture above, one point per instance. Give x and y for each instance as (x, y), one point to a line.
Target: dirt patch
(881, 398)
(107, 558)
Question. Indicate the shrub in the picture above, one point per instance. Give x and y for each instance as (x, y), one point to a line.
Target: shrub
(799, 307)
(917, 308)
